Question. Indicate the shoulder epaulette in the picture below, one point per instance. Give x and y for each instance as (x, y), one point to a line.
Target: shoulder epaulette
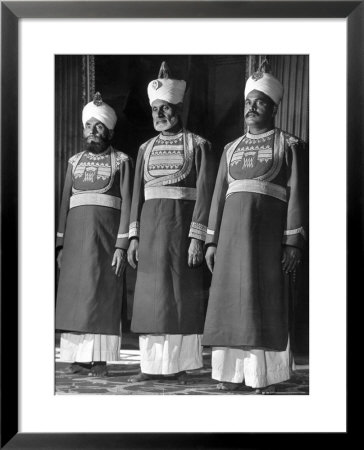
(292, 140)
(74, 158)
(199, 140)
(121, 156)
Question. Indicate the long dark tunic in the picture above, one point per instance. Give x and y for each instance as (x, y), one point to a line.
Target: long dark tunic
(169, 295)
(94, 219)
(258, 206)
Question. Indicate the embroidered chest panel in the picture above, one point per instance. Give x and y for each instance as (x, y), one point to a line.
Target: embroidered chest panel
(92, 171)
(167, 156)
(252, 158)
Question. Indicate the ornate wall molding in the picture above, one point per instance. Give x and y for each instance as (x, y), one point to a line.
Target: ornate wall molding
(88, 78)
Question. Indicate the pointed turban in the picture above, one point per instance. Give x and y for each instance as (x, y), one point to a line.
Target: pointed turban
(100, 111)
(266, 83)
(167, 89)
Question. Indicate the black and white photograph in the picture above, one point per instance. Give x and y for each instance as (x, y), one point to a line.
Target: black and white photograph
(182, 201)
(181, 221)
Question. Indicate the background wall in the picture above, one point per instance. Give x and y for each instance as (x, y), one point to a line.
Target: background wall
(213, 108)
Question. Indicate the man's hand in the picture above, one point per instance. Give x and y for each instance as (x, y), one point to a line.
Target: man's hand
(210, 257)
(195, 253)
(119, 261)
(59, 258)
(291, 258)
(133, 253)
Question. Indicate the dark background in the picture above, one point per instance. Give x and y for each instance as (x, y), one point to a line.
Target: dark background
(213, 108)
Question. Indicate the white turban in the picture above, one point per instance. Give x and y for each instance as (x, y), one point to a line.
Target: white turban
(167, 89)
(266, 83)
(100, 111)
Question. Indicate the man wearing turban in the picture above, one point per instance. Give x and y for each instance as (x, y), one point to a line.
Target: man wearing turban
(92, 239)
(255, 236)
(173, 187)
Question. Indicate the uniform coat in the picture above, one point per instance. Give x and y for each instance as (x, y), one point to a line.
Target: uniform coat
(257, 207)
(94, 220)
(169, 295)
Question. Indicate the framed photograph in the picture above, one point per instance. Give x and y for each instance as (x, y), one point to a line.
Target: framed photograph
(32, 34)
(213, 99)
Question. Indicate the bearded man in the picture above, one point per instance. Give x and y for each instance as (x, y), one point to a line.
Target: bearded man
(255, 238)
(173, 186)
(92, 239)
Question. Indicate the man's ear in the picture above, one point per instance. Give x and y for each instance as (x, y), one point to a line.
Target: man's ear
(111, 134)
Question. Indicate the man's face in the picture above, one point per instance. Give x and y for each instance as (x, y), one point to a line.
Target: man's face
(259, 109)
(96, 136)
(165, 115)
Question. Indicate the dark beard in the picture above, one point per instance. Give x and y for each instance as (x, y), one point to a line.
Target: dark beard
(95, 147)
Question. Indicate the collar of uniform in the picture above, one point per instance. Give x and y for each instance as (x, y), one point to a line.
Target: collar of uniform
(98, 155)
(259, 136)
(170, 137)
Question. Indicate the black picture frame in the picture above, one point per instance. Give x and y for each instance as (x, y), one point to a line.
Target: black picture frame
(11, 12)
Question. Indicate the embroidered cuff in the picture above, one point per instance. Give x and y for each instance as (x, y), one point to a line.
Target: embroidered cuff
(59, 239)
(197, 231)
(295, 237)
(299, 230)
(134, 229)
(122, 241)
(212, 237)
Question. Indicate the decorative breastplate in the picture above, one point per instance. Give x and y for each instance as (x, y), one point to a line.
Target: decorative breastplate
(93, 172)
(167, 156)
(253, 156)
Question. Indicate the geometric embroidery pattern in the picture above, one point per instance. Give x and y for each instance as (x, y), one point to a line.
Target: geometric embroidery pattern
(168, 174)
(98, 170)
(166, 158)
(251, 154)
(249, 160)
(198, 231)
(271, 148)
(93, 167)
(263, 154)
(90, 174)
(92, 171)
(134, 229)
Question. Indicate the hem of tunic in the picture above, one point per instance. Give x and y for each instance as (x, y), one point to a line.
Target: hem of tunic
(78, 330)
(167, 332)
(157, 358)
(255, 379)
(244, 346)
(78, 347)
(256, 368)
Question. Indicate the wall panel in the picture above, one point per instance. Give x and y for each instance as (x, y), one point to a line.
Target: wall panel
(70, 89)
(293, 113)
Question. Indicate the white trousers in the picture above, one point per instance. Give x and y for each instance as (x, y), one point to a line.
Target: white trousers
(89, 347)
(258, 368)
(170, 353)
